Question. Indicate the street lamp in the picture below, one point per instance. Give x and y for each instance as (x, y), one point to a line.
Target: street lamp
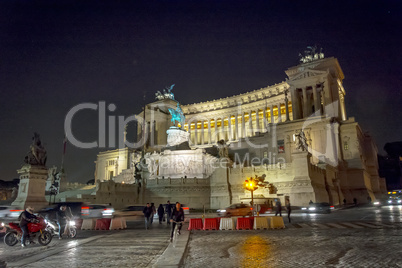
(251, 185)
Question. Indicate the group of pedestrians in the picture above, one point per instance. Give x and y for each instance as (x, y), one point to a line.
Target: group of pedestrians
(278, 208)
(174, 215)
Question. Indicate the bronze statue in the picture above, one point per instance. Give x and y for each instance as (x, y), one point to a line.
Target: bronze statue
(37, 155)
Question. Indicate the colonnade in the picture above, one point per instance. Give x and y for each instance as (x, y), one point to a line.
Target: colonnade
(205, 128)
(304, 102)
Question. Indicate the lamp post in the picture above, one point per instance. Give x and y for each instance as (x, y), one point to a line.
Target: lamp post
(251, 185)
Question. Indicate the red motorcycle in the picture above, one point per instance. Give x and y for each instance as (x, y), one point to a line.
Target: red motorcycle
(14, 235)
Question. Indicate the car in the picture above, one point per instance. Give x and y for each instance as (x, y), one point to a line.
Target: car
(50, 211)
(388, 202)
(132, 210)
(318, 208)
(236, 210)
(392, 202)
(9, 212)
(97, 211)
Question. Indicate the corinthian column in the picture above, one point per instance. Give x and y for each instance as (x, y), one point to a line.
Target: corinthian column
(305, 110)
(223, 128)
(202, 131)
(250, 121)
(209, 131)
(195, 132)
(272, 114)
(279, 113)
(230, 127)
(264, 116)
(287, 105)
(216, 130)
(236, 132)
(257, 120)
(243, 125)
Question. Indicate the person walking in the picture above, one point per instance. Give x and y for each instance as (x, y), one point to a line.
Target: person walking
(177, 218)
(26, 217)
(355, 201)
(161, 211)
(278, 209)
(153, 212)
(168, 211)
(147, 213)
(288, 208)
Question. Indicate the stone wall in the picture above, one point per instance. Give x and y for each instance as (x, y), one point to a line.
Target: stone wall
(118, 195)
(193, 192)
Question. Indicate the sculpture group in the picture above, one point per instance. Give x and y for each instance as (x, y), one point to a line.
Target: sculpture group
(37, 153)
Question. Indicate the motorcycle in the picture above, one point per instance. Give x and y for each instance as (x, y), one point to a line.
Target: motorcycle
(70, 230)
(3, 228)
(35, 230)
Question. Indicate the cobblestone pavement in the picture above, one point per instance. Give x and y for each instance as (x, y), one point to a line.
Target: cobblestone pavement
(295, 247)
(124, 248)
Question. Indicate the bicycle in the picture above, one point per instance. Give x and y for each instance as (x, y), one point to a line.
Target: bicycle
(176, 233)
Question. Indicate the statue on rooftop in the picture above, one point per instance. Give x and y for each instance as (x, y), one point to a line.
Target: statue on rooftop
(167, 93)
(311, 54)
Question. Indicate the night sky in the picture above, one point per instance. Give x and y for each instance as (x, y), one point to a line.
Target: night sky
(57, 54)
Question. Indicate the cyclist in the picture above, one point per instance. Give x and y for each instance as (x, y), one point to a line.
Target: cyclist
(177, 218)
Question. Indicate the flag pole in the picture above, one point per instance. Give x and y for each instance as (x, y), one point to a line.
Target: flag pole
(64, 152)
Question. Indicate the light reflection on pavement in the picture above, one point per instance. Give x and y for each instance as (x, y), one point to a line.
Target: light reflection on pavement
(254, 251)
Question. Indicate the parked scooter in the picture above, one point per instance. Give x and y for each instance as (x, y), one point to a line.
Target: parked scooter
(14, 234)
(70, 230)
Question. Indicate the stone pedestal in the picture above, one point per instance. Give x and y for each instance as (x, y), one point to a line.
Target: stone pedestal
(300, 166)
(32, 186)
(176, 136)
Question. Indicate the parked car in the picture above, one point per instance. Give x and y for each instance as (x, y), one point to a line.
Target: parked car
(96, 211)
(235, 210)
(9, 212)
(318, 208)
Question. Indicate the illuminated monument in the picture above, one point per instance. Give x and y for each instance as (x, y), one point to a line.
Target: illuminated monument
(33, 175)
(296, 133)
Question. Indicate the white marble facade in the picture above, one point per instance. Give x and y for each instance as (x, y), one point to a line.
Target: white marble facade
(333, 161)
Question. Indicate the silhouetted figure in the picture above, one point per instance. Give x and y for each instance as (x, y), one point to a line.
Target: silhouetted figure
(344, 202)
(278, 209)
(161, 211)
(311, 202)
(147, 214)
(288, 208)
(355, 201)
(168, 210)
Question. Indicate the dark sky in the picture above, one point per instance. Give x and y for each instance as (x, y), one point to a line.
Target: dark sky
(57, 54)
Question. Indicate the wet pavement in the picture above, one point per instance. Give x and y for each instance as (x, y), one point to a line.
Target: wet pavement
(356, 237)
(134, 247)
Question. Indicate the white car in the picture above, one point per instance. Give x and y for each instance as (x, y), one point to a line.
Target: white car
(97, 211)
(9, 212)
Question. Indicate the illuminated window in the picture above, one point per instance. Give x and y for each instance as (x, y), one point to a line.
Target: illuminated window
(346, 146)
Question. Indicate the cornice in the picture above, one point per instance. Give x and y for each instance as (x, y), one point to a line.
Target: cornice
(233, 101)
